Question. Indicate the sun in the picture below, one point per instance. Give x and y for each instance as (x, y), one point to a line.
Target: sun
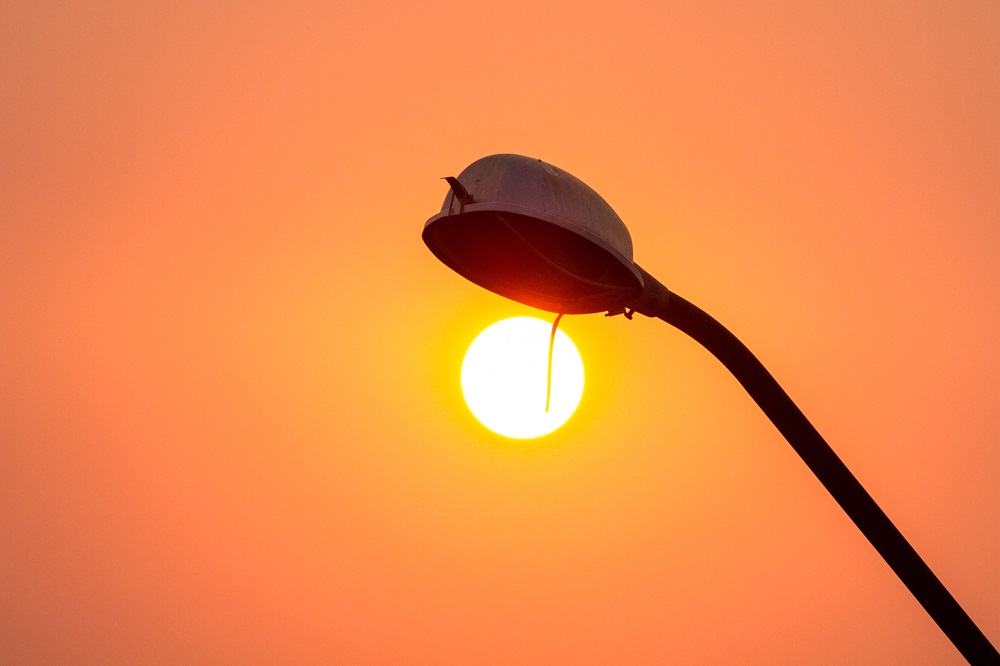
(505, 378)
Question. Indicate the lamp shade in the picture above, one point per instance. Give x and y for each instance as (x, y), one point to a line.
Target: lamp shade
(534, 233)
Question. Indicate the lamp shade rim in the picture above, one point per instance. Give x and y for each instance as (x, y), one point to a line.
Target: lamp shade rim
(504, 207)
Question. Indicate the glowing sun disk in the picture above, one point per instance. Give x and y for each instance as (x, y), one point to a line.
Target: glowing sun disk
(505, 378)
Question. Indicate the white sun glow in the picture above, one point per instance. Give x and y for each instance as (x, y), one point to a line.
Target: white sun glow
(505, 378)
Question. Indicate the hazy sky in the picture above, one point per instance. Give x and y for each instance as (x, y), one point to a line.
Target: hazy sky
(231, 428)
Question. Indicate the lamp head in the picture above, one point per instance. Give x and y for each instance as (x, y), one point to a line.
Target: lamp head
(533, 233)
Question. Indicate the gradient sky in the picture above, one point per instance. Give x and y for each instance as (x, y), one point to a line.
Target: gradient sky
(231, 428)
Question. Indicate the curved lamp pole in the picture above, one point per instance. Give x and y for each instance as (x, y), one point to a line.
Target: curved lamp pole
(532, 232)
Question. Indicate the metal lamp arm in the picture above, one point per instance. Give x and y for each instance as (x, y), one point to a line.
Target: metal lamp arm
(657, 301)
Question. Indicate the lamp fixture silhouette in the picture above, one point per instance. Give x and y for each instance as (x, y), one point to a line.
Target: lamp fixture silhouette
(533, 233)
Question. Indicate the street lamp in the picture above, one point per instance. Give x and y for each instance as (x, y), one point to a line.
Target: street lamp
(533, 233)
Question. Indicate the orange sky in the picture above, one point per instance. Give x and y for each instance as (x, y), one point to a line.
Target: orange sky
(231, 429)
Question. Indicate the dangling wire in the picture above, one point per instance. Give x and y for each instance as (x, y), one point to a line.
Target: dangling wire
(552, 342)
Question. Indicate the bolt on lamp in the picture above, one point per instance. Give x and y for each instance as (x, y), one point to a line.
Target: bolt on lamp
(532, 232)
